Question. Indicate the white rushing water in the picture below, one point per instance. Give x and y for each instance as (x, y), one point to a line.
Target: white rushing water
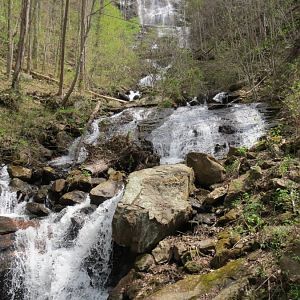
(90, 138)
(52, 264)
(197, 129)
(9, 202)
(175, 133)
(166, 16)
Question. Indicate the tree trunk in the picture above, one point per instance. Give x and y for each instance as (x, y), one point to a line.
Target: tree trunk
(79, 62)
(82, 43)
(62, 51)
(10, 52)
(21, 45)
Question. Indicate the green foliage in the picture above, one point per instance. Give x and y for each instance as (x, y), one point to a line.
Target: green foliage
(232, 168)
(252, 212)
(284, 199)
(113, 63)
(285, 165)
(242, 151)
(183, 78)
(294, 292)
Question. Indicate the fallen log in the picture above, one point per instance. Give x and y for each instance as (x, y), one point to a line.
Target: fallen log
(43, 77)
(107, 97)
(96, 167)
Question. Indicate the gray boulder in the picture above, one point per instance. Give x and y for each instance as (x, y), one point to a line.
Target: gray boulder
(155, 205)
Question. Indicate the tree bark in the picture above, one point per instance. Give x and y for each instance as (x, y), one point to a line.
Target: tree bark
(21, 45)
(63, 48)
(10, 52)
(88, 27)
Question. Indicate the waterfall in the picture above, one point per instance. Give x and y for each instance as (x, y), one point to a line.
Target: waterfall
(175, 133)
(90, 138)
(52, 264)
(9, 204)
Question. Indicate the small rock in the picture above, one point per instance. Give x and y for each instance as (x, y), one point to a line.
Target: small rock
(255, 173)
(208, 244)
(236, 188)
(23, 189)
(284, 183)
(97, 181)
(178, 250)
(227, 129)
(216, 196)
(103, 191)
(72, 198)
(42, 194)
(58, 186)
(37, 209)
(231, 216)
(20, 172)
(49, 174)
(193, 267)
(163, 252)
(207, 169)
(6, 241)
(144, 262)
(79, 181)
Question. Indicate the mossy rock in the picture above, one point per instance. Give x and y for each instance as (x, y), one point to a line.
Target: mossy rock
(194, 286)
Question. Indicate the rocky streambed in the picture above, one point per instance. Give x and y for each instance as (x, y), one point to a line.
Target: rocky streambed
(201, 216)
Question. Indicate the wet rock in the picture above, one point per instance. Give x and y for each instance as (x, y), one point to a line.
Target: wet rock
(37, 209)
(216, 196)
(104, 191)
(9, 225)
(42, 194)
(72, 198)
(227, 129)
(6, 241)
(23, 189)
(58, 186)
(233, 151)
(49, 174)
(195, 286)
(155, 204)
(207, 169)
(20, 172)
(144, 262)
(162, 253)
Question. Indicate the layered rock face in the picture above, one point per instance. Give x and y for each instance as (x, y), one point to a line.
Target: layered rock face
(155, 204)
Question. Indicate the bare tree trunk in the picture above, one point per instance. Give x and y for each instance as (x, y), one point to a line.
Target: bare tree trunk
(10, 52)
(82, 43)
(29, 42)
(62, 51)
(35, 44)
(21, 45)
(79, 62)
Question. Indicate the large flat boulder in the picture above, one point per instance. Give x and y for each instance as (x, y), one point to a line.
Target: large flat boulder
(155, 204)
(207, 169)
(9, 225)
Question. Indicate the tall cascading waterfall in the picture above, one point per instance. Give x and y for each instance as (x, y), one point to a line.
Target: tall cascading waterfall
(53, 264)
(167, 16)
